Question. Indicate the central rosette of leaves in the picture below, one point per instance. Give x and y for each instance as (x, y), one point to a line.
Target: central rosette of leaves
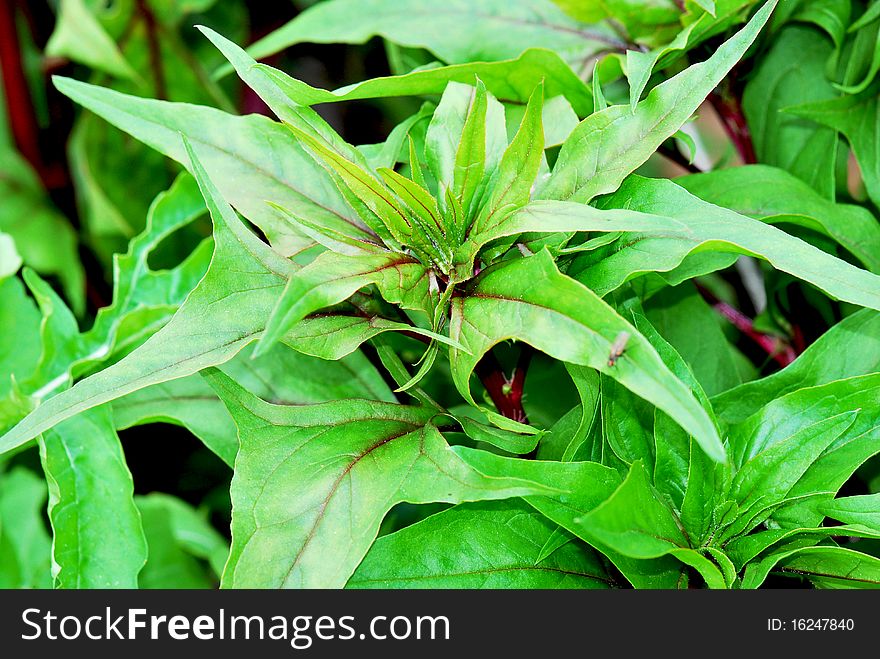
(422, 229)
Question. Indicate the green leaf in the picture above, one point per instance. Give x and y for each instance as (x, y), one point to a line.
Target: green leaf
(786, 415)
(518, 169)
(569, 322)
(690, 224)
(640, 65)
(470, 156)
(765, 480)
(850, 348)
(177, 536)
(633, 522)
(871, 14)
(383, 214)
(251, 158)
(682, 472)
(317, 480)
(27, 216)
(866, 49)
(776, 197)
(334, 335)
(832, 567)
(570, 435)
(856, 118)
(691, 326)
(25, 547)
(484, 545)
(862, 510)
(333, 278)
(446, 134)
(506, 440)
(609, 145)
(583, 487)
(78, 35)
(192, 403)
(510, 80)
(234, 300)
(627, 424)
(457, 31)
(98, 538)
(705, 567)
(835, 567)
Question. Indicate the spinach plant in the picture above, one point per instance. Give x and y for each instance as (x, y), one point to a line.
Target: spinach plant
(490, 351)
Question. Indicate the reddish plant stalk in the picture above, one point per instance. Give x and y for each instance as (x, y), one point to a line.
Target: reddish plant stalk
(506, 392)
(22, 117)
(729, 109)
(781, 351)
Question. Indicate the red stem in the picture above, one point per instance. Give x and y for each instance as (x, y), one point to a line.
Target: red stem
(506, 393)
(775, 347)
(730, 110)
(22, 117)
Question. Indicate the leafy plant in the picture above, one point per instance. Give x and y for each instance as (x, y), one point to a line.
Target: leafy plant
(493, 350)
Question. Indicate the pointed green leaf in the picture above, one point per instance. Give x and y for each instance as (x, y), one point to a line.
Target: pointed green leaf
(251, 158)
(856, 118)
(79, 36)
(518, 169)
(850, 348)
(456, 31)
(485, 545)
(830, 567)
(234, 300)
(694, 225)
(792, 73)
(98, 540)
(335, 335)
(863, 510)
(569, 322)
(510, 80)
(788, 414)
(333, 278)
(583, 486)
(775, 196)
(609, 145)
(764, 482)
(470, 156)
(312, 484)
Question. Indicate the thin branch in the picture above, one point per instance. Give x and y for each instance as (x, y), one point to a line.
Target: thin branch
(729, 109)
(775, 347)
(155, 48)
(506, 392)
(20, 109)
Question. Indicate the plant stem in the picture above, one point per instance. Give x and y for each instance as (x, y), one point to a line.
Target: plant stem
(155, 48)
(22, 118)
(506, 393)
(780, 350)
(729, 109)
